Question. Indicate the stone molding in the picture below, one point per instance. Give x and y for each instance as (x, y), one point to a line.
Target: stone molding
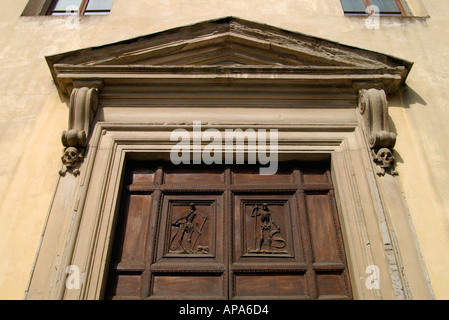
(223, 50)
(373, 106)
(82, 108)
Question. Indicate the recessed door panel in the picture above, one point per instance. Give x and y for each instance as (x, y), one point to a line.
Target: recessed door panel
(224, 232)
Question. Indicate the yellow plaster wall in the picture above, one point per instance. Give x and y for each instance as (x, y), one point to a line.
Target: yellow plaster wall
(33, 115)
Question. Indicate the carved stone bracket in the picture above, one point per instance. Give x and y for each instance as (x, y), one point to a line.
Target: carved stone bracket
(82, 108)
(373, 106)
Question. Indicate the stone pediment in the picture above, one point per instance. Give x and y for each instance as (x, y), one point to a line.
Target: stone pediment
(228, 46)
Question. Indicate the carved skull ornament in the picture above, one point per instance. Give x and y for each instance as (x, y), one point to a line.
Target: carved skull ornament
(71, 157)
(384, 158)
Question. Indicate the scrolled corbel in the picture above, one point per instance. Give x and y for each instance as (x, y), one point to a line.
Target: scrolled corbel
(82, 108)
(83, 104)
(373, 106)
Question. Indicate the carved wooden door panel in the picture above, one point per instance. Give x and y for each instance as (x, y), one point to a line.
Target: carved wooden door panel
(224, 232)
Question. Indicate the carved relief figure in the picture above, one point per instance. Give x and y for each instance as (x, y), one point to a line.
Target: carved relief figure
(267, 239)
(189, 230)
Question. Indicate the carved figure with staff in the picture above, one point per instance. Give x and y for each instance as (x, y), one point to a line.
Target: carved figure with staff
(187, 226)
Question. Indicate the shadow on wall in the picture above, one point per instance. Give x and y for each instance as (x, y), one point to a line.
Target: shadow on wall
(410, 97)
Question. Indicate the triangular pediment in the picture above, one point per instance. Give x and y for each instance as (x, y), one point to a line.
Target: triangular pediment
(229, 42)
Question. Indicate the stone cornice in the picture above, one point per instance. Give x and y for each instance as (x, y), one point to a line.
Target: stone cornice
(388, 78)
(230, 49)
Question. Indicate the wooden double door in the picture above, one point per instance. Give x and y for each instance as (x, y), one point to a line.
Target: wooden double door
(224, 232)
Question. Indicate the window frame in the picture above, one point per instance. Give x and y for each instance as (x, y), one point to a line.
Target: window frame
(44, 8)
(81, 10)
(368, 3)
